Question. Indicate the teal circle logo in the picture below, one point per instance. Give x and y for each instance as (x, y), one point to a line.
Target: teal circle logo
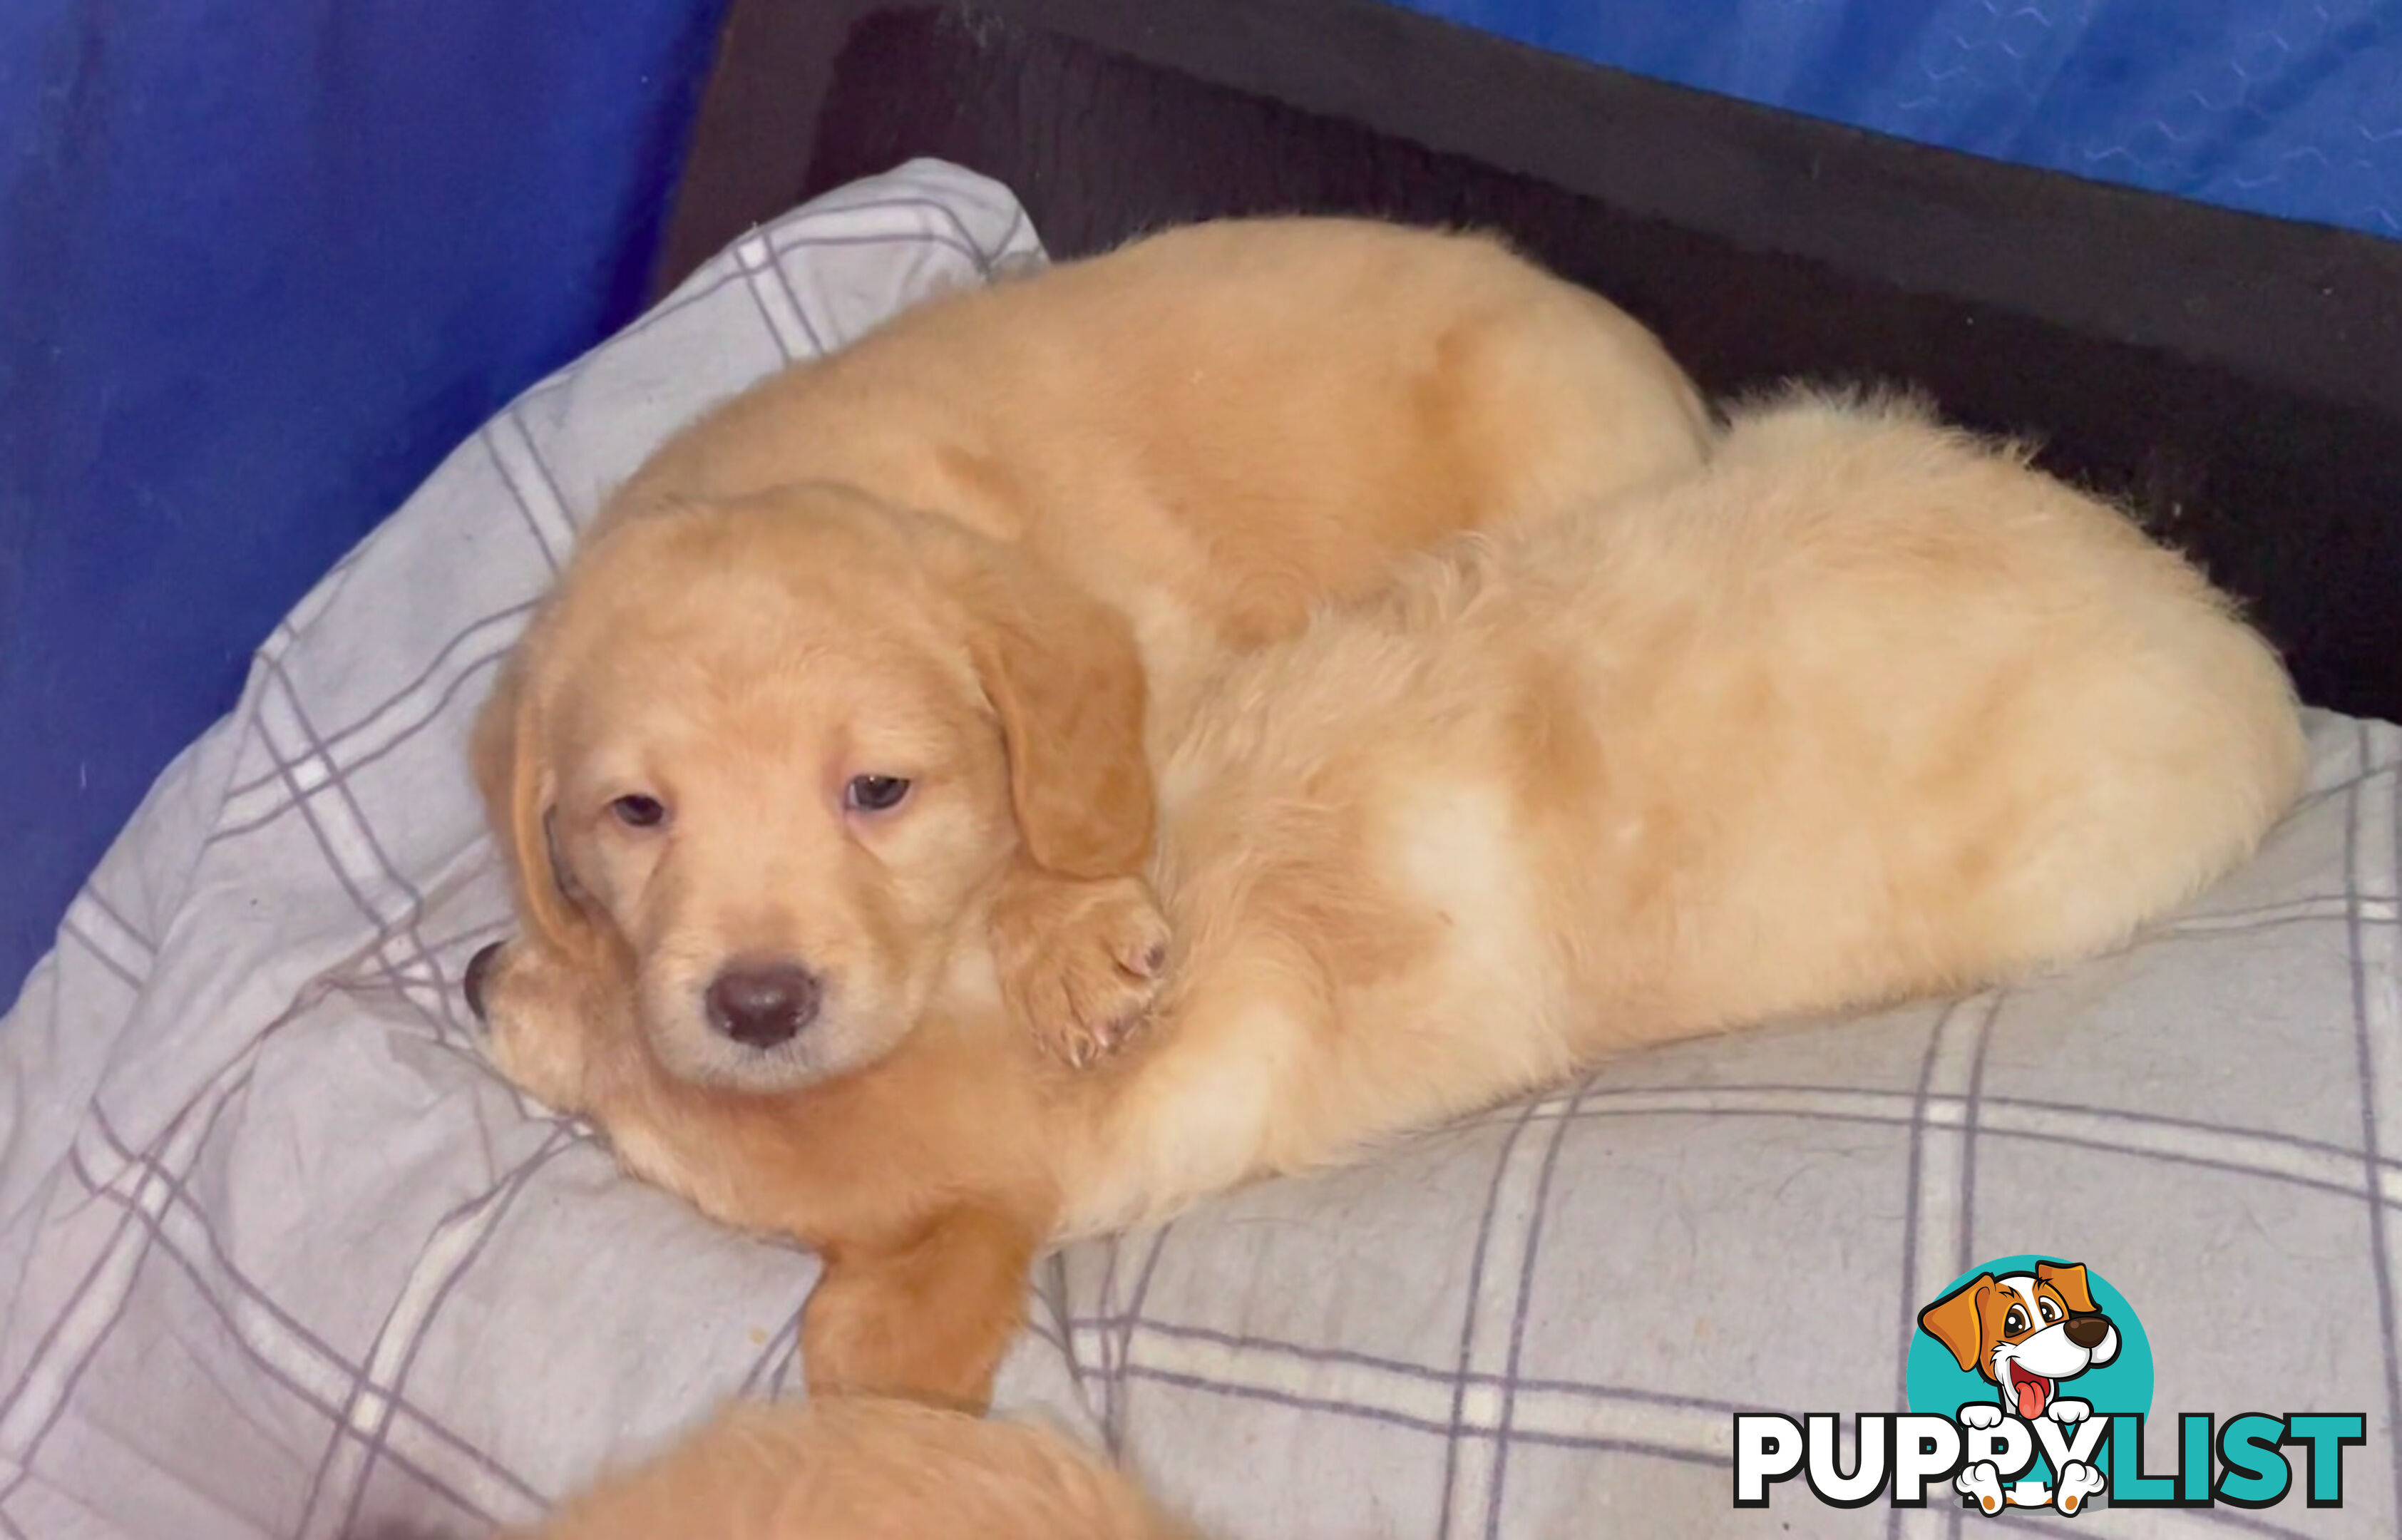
(1970, 1317)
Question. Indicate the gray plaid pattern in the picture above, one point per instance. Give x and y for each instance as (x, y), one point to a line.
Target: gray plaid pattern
(281, 1258)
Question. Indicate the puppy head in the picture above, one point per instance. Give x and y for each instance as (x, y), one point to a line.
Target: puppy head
(758, 762)
(2024, 1332)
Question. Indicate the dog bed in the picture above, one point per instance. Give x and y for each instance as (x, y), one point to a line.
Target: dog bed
(284, 1260)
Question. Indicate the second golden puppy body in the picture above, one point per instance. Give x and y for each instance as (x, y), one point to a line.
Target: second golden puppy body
(1867, 710)
(861, 1468)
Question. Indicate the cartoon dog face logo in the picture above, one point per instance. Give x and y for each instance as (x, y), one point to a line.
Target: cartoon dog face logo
(2026, 1333)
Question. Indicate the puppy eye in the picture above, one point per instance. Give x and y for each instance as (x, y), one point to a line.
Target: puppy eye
(2051, 1311)
(874, 793)
(639, 811)
(2015, 1321)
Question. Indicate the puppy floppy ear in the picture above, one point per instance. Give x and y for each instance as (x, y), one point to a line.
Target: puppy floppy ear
(2069, 1278)
(1957, 1321)
(1062, 673)
(515, 778)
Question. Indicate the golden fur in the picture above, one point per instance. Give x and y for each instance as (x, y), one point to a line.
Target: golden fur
(1117, 475)
(1867, 710)
(858, 1468)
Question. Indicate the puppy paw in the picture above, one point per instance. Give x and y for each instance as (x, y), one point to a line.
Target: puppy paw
(541, 1054)
(1980, 1414)
(1080, 962)
(2077, 1482)
(2068, 1411)
(1984, 1482)
(534, 1064)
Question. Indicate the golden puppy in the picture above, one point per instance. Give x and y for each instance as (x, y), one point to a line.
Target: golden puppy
(856, 1468)
(1867, 710)
(1169, 453)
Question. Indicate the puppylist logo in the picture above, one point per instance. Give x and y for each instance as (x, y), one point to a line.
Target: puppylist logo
(2029, 1381)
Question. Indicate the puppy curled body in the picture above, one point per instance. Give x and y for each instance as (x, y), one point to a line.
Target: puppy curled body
(862, 1468)
(1175, 450)
(1868, 709)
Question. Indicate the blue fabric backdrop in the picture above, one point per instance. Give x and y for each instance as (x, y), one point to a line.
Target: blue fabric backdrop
(261, 266)
(2284, 107)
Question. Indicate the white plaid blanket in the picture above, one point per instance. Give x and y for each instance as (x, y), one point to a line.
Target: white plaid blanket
(281, 1258)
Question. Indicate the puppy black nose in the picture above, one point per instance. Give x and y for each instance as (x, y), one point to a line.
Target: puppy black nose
(479, 967)
(760, 1007)
(2087, 1331)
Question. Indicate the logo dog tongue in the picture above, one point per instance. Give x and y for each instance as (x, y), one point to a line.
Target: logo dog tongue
(2032, 1391)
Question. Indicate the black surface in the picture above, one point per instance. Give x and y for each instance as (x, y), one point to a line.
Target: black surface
(2238, 380)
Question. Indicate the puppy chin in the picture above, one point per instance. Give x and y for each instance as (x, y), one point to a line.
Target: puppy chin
(690, 1050)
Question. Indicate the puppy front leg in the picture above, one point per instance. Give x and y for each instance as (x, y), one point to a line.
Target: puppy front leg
(1080, 959)
(928, 1318)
